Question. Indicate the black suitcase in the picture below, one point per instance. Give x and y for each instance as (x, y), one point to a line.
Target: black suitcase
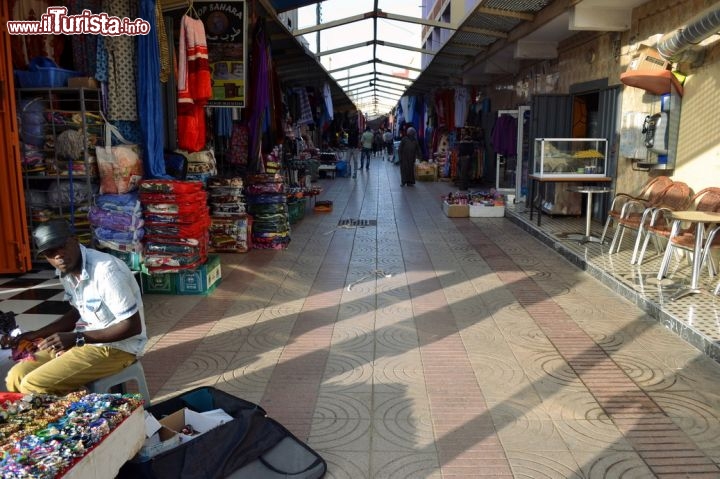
(251, 446)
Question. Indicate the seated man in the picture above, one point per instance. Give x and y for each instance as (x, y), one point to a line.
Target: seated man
(102, 334)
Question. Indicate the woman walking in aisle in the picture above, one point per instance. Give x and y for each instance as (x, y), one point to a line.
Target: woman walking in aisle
(408, 152)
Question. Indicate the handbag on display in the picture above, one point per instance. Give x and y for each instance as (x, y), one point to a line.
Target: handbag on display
(121, 166)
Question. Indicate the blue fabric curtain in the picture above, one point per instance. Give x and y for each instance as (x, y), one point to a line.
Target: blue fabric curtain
(260, 95)
(149, 95)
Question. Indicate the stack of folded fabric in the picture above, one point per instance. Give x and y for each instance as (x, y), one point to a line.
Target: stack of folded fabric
(267, 204)
(117, 227)
(229, 223)
(176, 224)
(201, 165)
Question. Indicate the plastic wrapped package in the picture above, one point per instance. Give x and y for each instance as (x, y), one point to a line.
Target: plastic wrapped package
(66, 193)
(107, 234)
(263, 188)
(161, 261)
(128, 203)
(36, 198)
(155, 201)
(100, 217)
(170, 186)
(33, 122)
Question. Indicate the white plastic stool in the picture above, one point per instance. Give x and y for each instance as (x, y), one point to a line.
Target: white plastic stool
(134, 372)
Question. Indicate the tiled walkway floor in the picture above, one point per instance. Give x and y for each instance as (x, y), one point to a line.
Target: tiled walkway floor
(431, 347)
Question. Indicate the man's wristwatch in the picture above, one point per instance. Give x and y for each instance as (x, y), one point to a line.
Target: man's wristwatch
(80, 339)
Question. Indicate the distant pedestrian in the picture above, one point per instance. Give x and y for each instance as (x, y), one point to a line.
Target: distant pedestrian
(353, 152)
(377, 142)
(388, 143)
(366, 141)
(409, 151)
(466, 150)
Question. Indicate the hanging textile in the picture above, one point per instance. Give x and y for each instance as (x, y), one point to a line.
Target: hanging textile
(444, 106)
(327, 97)
(150, 106)
(440, 109)
(305, 110)
(121, 65)
(238, 149)
(194, 87)
(260, 97)
(84, 47)
(101, 67)
(461, 106)
(504, 135)
(163, 43)
(278, 109)
(222, 119)
(405, 104)
(26, 47)
(316, 101)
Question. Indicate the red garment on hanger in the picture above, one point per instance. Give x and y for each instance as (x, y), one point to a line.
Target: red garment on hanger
(445, 108)
(194, 86)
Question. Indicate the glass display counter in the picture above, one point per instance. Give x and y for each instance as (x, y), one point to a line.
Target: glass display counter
(564, 157)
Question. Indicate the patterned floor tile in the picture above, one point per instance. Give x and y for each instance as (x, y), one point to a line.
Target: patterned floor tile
(431, 347)
(20, 306)
(347, 464)
(388, 465)
(611, 465)
(336, 434)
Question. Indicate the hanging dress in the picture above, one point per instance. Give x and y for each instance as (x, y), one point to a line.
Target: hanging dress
(194, 87)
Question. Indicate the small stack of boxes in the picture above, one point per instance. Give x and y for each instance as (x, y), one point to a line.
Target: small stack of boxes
(487, 204)
(229, 222)
(177, 224)
(456, 205)
(267, 204)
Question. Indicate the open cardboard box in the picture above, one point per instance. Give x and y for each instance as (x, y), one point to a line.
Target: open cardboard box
(200, 422)
(166, 433)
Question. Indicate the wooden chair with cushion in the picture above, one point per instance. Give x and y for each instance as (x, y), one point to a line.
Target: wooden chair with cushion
(649, 193)
(635, 214)
(680, 236)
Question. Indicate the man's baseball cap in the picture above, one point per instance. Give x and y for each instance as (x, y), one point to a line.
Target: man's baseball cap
(51, 234)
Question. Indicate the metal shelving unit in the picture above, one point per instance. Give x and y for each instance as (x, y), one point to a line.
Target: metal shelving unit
(58, 185)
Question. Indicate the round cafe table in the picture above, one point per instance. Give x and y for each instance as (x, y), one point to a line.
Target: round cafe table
(589, 191)
(700, 218)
